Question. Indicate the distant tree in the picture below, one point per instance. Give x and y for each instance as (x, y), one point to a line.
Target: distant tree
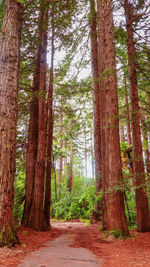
(9, 72)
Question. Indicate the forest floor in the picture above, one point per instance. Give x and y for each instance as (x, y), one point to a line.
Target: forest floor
(111, 252)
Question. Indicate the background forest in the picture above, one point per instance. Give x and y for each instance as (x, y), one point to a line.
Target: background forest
(83, 80)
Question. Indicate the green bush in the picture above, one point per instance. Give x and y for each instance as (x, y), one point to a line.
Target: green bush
(130, 203)
(19, 186)
(77, 204)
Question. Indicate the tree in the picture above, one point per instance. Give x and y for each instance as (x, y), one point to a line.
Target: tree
(33, 130)
(96, 106)
(101, 66)
(60, 146)
(37, 218)
(143, 218)
(114, 196)
(32, 139)
(50, 122)
(9, 73)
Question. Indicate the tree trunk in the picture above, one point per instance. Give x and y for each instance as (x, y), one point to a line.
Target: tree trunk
(60, 146)
(146, 150)
(122, 136)
(50, 133)
(96, 108)
(71, 164)
(114, 196)
(55, 180)
(65, 159)
(37, 219)
(101, 64)
(128, 112)
(32, 140)
(85, 153)
(143, 218)
(9, 73)
(92, 155)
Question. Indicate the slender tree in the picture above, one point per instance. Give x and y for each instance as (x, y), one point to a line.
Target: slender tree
(101, 65)
(9, 73)
(145, 139)
(96, 106)
(71, 165)
(143, 217)
(60, 146)
(127, 112)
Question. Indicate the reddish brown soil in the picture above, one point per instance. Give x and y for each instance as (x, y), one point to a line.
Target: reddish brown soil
(30, 240)
(113, 252)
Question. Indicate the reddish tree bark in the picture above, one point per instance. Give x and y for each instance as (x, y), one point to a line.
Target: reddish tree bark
(122, 136)
(128, 113)
(96, 107)
(32, 140)
(114, 196)
(50, 131)
(9, 73)
(37, 218)
(143, 218)
(101, 64)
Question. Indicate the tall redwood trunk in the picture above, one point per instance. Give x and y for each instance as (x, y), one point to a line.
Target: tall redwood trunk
(143, 218)
(50, 132)
(96, 107)
(9, 73)
(101, 64)
(36, 218)
(32, 140)
(114, 198)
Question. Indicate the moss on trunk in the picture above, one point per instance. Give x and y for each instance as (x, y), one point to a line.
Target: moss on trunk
(8, 237)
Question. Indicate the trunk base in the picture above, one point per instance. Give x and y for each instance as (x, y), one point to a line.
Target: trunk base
(8, 237)
(96, 217)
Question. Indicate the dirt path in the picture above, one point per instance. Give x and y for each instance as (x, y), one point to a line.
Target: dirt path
(58, 253)
(72, 244)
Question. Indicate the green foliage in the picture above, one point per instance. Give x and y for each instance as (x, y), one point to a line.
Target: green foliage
(115, 233)
(77, 204)
(130, 203)
(25, 232)
(19, 196)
